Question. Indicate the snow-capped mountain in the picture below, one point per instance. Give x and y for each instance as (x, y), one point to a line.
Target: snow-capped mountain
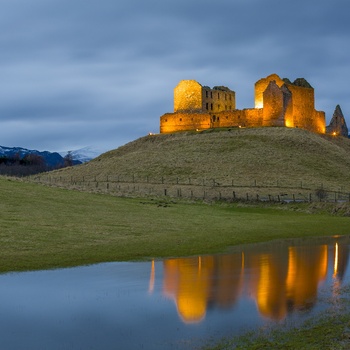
(84, 154)
(52, 159)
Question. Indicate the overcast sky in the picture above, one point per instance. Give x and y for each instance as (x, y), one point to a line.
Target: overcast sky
(78, 73)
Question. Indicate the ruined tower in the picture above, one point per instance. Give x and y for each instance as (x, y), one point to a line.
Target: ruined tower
(338, 126)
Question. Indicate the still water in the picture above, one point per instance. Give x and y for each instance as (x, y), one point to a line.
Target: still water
(174, 303)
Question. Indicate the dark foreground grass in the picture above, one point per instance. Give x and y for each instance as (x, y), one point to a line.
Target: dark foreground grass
(44, 227)
(329, 330)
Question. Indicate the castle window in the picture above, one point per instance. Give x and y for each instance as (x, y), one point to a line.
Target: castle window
(166, 120)
(180, 119)
(206, 94)
(207, 105)
(218, 96)
(218, 118)
(219, 106)
(214, 118)
(211, 106)
(226, 117)
(211, 94)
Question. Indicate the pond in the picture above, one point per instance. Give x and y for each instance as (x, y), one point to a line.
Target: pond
(175, 303)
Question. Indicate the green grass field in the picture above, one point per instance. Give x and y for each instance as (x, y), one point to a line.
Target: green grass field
(43, 227)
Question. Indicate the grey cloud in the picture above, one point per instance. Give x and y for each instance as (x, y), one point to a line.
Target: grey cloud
(108, 68)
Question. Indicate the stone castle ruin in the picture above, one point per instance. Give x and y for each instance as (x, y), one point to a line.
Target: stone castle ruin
(278, 102)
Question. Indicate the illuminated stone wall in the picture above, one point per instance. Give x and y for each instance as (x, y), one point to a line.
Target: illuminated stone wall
(261, 85)
(181, 121)
(303, 109)
(278, 102)
(191, 96)
(188, 96)
(218, 99)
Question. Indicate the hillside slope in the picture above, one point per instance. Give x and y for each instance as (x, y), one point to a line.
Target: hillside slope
(260, 155)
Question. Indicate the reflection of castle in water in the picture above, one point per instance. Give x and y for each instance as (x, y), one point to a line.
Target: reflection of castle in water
(279, 280)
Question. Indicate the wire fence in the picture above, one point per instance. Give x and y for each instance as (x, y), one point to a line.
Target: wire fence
(194, 188)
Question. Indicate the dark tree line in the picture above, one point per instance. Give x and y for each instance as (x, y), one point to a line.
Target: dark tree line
(30, 164)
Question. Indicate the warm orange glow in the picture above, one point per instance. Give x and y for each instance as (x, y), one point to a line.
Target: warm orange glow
(334, 133)
(289, 123)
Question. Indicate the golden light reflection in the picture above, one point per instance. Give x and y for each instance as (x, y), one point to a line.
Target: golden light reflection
(192, 283)
(279, 281)
(307, 267)
(187, 282)
(152, 278)
(336, 260)
(270, 299)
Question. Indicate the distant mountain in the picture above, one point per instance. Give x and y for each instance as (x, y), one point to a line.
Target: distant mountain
(84, 154)
(52, 159)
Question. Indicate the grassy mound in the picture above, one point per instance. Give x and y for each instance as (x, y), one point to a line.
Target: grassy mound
(260, 155)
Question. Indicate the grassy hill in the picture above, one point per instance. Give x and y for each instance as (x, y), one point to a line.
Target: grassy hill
(276, 156)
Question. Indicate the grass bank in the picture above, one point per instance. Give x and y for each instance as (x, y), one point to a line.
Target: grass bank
(43, 227)
(330, 330)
